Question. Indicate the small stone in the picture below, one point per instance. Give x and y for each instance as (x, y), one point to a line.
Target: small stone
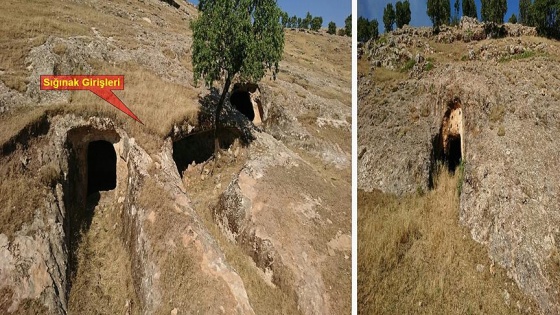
(480, 268)
(174, 311)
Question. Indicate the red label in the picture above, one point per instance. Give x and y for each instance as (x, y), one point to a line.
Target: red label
(101, 85)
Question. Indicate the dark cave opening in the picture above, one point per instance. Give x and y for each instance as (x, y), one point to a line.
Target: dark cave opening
(447, 145)
(102, 166)
(241, 100)
(199, 147)
(453, 156)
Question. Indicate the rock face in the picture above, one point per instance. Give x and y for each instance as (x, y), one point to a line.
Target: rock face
(285, 223)
(397, 48)
(508, 119)
(40, 255)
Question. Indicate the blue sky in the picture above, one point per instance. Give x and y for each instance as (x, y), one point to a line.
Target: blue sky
(373, 9)
(330, 10)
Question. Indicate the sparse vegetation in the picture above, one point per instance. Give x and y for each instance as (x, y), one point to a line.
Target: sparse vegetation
(501, 131)
(461, 177)
(408, 65)
(524, 55)
(497, 113)
(428, 66)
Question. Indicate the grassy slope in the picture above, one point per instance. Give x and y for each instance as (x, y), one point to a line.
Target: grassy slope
(414, 257)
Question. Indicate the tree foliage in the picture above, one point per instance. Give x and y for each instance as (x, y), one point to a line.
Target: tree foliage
(439, 12)
(512, 18)
(455, 18)
(389, 17)
(348, 25)
(525, 12)
(235, 40)
(545, 15)
(306, 21)
(331, 28)
(284, 19)
(402, 13)
(493, 10)
(316, 23)
(367, 29)
(293, 22)
(469, 8)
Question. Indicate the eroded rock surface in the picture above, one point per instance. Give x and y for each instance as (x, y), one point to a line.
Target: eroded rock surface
(287, 216)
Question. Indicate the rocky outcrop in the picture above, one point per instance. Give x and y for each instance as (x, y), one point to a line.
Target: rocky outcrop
(398, 47)
(39, 256)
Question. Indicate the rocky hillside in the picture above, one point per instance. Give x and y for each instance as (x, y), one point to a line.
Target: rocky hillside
(483, 98)
(100, 214)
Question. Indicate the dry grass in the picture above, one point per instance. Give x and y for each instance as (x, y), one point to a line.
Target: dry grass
(20, 195)
(11, 125)
(27, 24)
(325, 56)
(159, 104)
(387, 76)
(103, 282)
(414, 258)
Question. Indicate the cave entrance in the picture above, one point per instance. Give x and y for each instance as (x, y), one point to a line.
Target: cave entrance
(241, 100)
(246, 99)
(447, 145)
(102, 166)
(199, 147)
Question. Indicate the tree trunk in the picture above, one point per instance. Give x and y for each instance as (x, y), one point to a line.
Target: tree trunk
(217, 116)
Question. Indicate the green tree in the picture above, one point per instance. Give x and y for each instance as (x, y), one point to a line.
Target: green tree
(364, 33)
(493, 10)
(439, 12)
(316, 23)
(469, 8)
(235, 41)
(293, 22)
(342, 32)
(284, 18)
(525, 12)
(545, 15)
(348, 25)
(512, 19)
(402, 13)
(455, 18)
(374, 27)
(332, 28)
(367, 29)
(388, 17)
(306, 22)
(299, 23)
